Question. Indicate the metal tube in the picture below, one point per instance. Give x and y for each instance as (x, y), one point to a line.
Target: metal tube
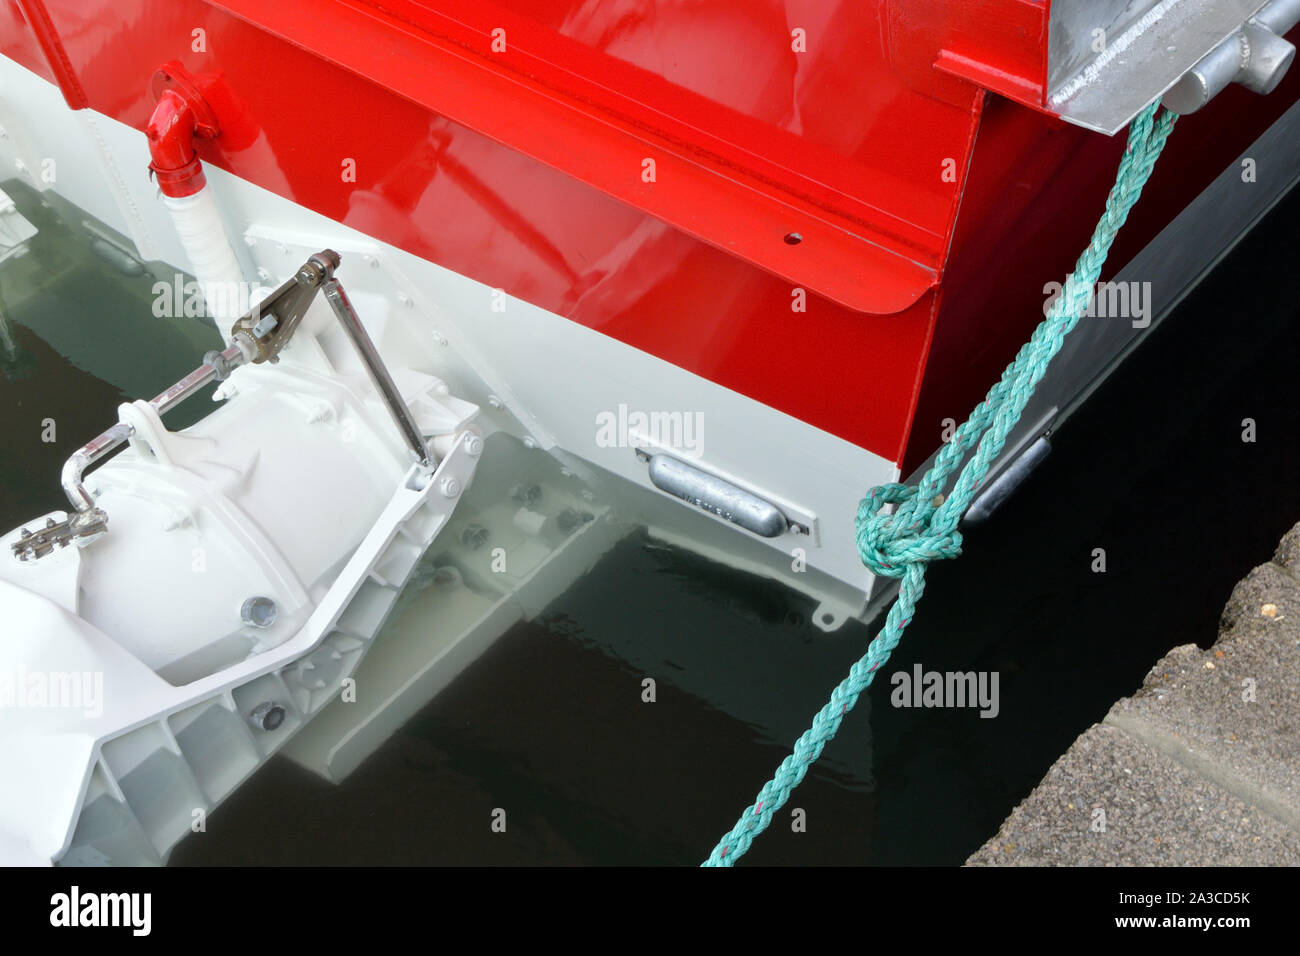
(383, 382)
(1280, 16)
(183, 389)
(74, 469)
(95, 449)
(165, 401)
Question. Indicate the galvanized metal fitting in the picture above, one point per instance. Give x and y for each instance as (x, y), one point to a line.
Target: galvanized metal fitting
(1255, 56)
(220, 364)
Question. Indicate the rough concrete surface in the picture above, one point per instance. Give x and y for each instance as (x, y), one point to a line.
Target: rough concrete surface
(1201, 766)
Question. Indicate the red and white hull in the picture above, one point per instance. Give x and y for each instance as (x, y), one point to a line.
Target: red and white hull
(783, 243)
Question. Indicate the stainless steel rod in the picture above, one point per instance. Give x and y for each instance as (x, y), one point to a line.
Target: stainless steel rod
(165, 401)
(74, 469)
(383, 382)
(95, 449)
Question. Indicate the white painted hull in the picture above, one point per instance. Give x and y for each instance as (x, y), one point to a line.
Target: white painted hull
(297, 489)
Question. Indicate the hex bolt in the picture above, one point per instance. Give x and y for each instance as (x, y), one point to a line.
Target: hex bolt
(258, 612)
(267, 716)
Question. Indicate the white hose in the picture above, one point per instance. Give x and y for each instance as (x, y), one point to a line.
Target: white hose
(203, 235)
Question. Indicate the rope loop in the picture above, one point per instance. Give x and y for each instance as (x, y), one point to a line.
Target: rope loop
(889, 542)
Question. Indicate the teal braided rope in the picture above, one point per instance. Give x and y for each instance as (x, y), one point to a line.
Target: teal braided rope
(923, 526)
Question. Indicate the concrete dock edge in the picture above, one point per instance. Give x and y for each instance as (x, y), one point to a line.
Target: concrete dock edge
(1199, 767)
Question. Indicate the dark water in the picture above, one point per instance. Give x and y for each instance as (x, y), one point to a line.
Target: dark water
(77, 338)
(550, 726)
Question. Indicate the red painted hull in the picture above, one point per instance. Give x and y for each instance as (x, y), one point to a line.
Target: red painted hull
(524, 169)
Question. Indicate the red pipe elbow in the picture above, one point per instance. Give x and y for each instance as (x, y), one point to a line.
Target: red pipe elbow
(172, 130)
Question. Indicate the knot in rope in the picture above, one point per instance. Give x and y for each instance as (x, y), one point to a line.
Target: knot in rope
(912, 534)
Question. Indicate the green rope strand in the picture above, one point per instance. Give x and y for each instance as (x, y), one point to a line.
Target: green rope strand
(923, 528)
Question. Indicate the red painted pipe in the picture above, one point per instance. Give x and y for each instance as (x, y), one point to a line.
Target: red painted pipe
(172, 129)
(56, 55)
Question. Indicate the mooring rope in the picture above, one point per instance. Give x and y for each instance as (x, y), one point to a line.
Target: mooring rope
(923, 528)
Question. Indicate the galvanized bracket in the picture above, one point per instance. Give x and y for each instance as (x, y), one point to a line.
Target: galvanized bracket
(1109, 59)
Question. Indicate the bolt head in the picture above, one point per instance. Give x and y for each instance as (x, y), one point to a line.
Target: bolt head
(258, 612)
(450, 486)
(268, 716)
